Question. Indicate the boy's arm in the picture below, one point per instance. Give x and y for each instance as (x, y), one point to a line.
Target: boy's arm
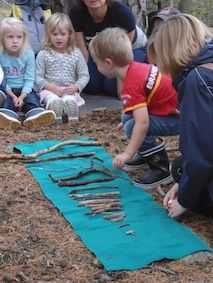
(139, 132)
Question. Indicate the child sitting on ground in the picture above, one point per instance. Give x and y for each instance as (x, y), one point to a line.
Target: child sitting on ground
(150, 106)
(61, 70)
(18, 63)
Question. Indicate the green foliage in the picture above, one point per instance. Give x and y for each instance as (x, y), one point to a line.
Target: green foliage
(4, 12)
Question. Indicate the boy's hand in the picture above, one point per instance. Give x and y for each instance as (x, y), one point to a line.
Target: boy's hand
(120, 160)
(120, 126)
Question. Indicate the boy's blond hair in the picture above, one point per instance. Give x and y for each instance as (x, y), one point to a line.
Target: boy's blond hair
(58, 20)
(112, 43)
(15, 24)
(178, 41)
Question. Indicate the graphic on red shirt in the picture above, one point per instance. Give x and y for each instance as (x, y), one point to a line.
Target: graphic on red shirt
(145, 86)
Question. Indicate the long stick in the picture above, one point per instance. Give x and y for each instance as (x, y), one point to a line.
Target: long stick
(85, 182)
(58, 145)
(65, 156)
(34, 155)
(93, 188)
(95, 196)
(83, 173)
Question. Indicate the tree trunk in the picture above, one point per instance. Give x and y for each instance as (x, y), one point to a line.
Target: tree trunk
(139, 9)
(184, 6)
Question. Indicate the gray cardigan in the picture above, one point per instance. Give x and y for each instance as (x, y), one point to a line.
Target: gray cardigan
(61, 69)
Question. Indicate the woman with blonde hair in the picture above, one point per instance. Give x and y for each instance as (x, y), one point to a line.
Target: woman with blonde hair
(61, 70)
(184, 50)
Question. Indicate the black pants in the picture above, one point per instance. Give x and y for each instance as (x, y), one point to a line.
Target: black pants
(205, 205)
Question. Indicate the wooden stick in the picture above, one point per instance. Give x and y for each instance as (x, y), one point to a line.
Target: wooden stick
(93, 188)
(34, 155)
(83, 173)
(101, 205)
(67, 156)
(114, 216)
(85, 182)
(96, 201)
(60, 144)
(96, 196)
(98, 211)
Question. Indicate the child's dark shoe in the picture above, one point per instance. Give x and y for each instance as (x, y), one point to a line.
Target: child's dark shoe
(135, 163)
(153, 178)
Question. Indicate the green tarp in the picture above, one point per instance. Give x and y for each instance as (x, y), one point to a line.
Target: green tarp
(156, 236)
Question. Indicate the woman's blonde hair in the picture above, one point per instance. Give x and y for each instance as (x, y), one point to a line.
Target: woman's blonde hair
(58, 20)
(15, 24)
(178, 41)
(112, 43)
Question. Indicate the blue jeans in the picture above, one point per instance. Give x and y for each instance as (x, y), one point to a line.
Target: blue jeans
(31, 101)
(158, 126)
(98, 83)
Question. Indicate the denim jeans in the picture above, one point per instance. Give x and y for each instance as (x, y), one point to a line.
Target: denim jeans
(158, 126)
(98, 83)
(31, 101)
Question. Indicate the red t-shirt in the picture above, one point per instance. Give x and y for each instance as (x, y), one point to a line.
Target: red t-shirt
(144, 85)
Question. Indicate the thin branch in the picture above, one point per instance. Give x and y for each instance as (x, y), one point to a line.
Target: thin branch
(58, 145)
(65, 156)
(97, 201)
(80, 183)
(95, 196)
(93, 188)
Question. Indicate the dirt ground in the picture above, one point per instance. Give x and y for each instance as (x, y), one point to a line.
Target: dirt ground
(38, 245)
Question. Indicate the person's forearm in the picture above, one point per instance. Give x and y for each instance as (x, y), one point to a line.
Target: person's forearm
(11, 94)
(49, 86)
(23, 95)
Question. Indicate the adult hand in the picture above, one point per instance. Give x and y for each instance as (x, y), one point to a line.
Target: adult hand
(171, 195)
(120, 159)
(175, 209)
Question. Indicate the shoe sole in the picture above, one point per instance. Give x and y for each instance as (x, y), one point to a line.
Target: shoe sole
(71, 110)
(46, 119)
(8, 123)
(165, 181)
(133, 168)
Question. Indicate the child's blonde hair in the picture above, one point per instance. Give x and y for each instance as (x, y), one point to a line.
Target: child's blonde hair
(58, 20)
(112, 43)
(15, 24)
(178, 41)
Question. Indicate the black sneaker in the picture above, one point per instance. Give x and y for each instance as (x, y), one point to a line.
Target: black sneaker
(153, 178)
(135, 163)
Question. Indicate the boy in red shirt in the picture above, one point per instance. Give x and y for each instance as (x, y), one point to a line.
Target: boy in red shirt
(150, 106)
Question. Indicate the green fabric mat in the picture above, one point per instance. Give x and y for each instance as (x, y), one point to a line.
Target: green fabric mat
(156, 235)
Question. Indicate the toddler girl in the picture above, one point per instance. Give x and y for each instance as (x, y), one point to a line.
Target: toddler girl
(18, 63)
(61, 70)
